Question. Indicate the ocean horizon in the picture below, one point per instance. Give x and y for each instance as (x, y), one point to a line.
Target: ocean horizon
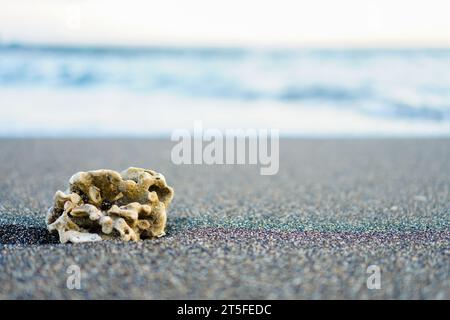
(72, 91)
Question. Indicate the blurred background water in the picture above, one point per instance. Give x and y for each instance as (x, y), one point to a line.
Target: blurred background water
(123, 91)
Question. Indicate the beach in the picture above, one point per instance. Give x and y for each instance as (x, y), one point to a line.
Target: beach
(336, 207)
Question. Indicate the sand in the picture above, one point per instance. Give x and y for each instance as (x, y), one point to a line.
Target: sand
(309, 232)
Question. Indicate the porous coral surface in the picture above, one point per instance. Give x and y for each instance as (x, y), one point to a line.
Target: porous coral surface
(104, 204)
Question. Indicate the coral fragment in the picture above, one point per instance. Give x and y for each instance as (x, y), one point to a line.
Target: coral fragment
(104, 204)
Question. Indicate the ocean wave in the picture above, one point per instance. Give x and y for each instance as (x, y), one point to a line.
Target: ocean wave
(409, 85)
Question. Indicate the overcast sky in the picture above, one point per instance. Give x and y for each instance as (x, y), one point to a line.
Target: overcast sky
(328, 23)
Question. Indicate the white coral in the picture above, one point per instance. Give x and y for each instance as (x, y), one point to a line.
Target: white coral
(104, 204)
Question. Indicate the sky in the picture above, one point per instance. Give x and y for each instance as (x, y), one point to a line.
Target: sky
(297, 23)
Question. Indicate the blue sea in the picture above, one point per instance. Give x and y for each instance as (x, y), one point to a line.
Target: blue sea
(87, 91)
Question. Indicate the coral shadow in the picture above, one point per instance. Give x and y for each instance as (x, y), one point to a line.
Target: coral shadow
(20, 234)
